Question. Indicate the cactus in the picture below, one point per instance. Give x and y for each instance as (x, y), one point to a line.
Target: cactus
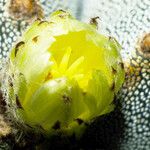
(63, 74)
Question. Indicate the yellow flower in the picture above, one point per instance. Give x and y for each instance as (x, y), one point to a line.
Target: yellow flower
(63, 74)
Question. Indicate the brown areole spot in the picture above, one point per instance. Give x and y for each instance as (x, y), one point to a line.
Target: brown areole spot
(112, 88)
(25, 9)
(62, 10)
(93, 21)
(10, 81)
(17, 46)
(66, 99)
(110, 38)
(122, 65)
(143, 46)
(79, 121)
(56, 125)
(35, 39)
(49, 76)
(84, 93)
(114, 71)
(38, 19)
(18, 103)
(42, 22)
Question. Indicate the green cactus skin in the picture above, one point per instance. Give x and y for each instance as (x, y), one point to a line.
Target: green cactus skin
(62, 74)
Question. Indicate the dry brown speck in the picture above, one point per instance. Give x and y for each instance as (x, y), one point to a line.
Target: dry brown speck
(48, 77)
(79, 121)
(18, 103)
(25, 9)
(114, 71)
(143, 45)
(112, 86)
(17, 46)
(122, 65)
(35, 39)
(42, 22)
(56, 126)
(93, 21)
(66, 99)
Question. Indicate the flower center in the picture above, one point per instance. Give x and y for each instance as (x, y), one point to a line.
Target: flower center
(73, 71)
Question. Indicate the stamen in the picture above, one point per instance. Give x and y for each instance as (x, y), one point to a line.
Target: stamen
(74, 71)
(55, 71)
(65, 60)
(73, 68)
